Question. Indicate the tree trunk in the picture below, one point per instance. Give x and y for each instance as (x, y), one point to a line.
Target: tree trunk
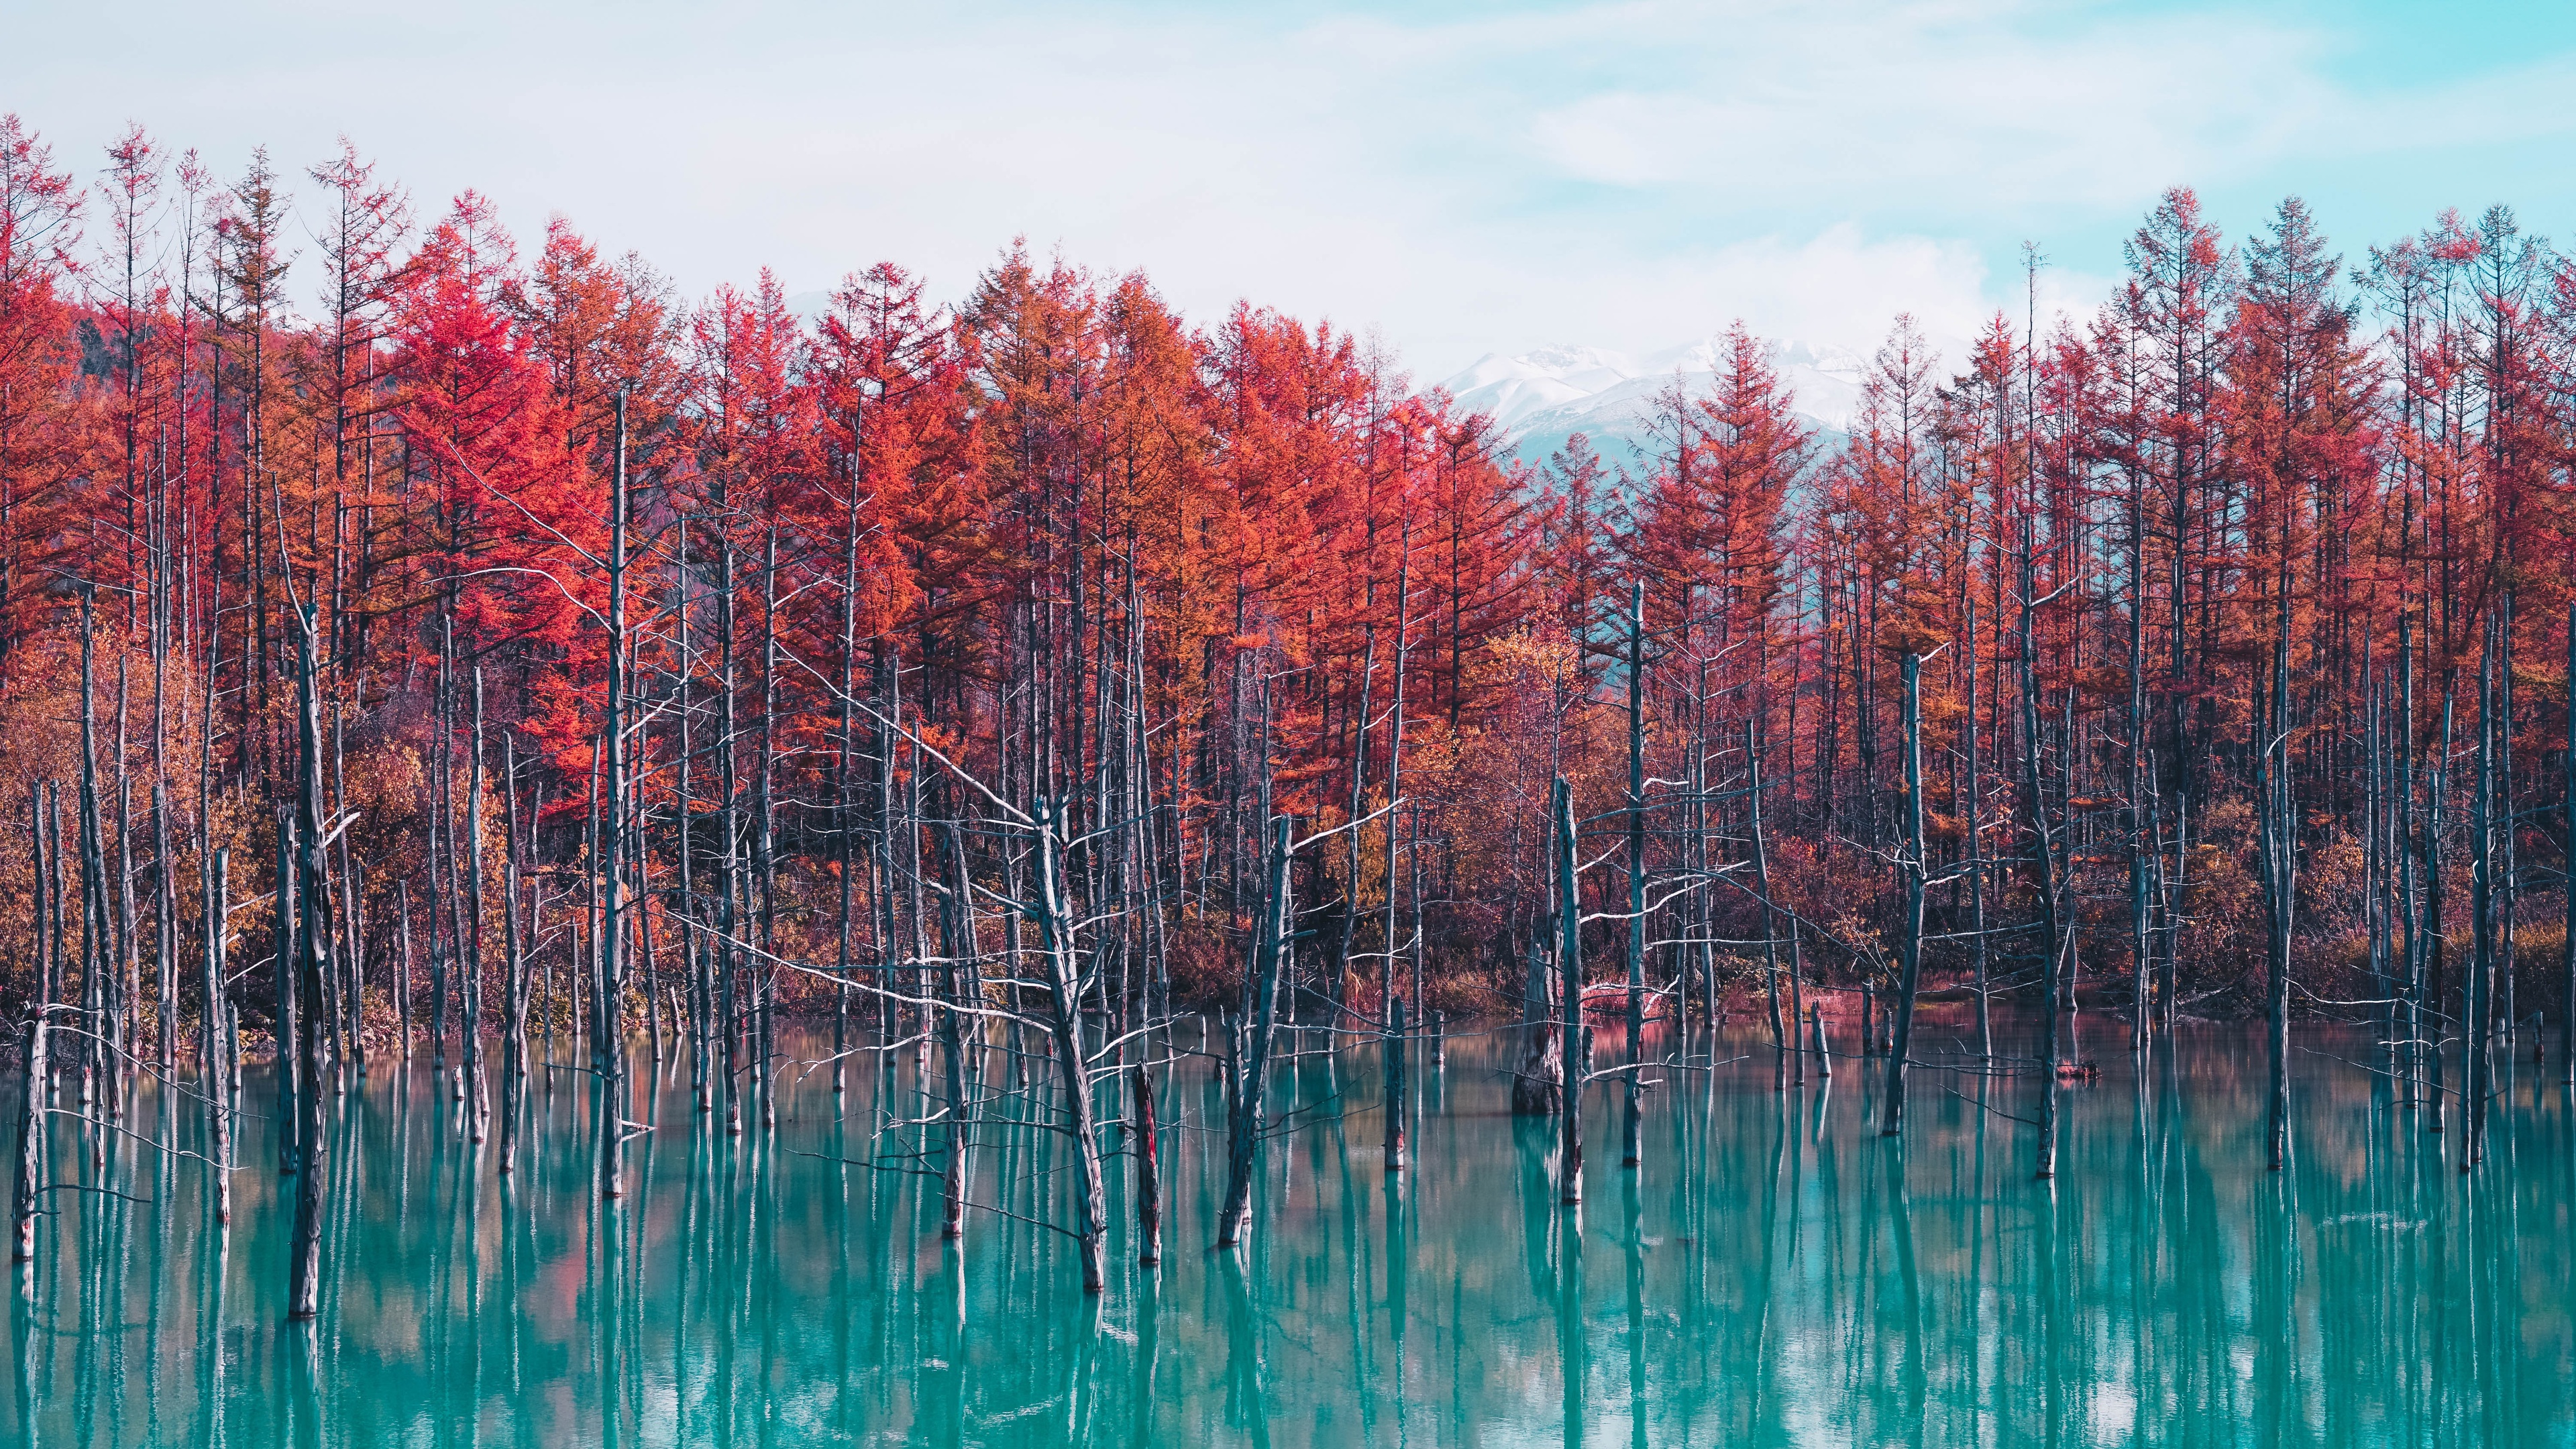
(304, 1278)
(1064, 1001)
(1391, 1046)
(1243, 1134)
(1569, 959)
(1149, 1181)
(1892, 1119)
(612, 854)
(1631, 1127)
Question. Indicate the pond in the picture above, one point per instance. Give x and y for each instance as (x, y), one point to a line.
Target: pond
(1775, 1272)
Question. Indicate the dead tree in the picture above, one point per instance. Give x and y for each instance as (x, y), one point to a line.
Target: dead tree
(312, 909)
(1569, 963)
(1892, 1110)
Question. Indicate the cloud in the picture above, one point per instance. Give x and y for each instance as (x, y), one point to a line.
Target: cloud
(1943, 108)
(1628, 174)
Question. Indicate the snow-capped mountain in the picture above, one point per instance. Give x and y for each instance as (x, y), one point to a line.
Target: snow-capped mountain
(1541, 397)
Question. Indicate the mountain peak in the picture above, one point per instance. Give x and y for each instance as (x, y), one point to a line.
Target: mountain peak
(1543, 395)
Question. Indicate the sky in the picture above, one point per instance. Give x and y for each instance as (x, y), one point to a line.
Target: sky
(1454, 178)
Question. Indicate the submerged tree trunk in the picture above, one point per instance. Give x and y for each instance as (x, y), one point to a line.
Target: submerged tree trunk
(611, 1029)
(304, 1280)
(1391, 1046)
(1569, 960)
(1892, 1112)
(2035, 803)
(2277, 828)
(211, 1043)
(1149, 1178)
(2477, 992)
(26, 1192)
(1631, 1127)
(283, 978)
(1251, 1080)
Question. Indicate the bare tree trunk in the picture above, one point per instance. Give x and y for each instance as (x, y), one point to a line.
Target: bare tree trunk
(1784, 1036)
(28, 1189)
(612, 854)
(958, 945)
(514, 987)
(1149, 1178)
(1569, 961)
(1392, 1047)
(478, 1109)
(2436, 953)
(1252, 1070)
(2278, 827)
(1977, 849)
(211, 1036)
(1064, 1000)
(1631, 1147)
(402, 978)
(290, 1087)
(2477, 992)
(1892, 1113)
(2036, 804)
(304, 1277)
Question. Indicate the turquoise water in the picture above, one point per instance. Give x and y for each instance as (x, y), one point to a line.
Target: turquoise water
(1775, 1273)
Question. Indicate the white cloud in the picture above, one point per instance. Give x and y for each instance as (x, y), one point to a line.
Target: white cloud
(1624, 174)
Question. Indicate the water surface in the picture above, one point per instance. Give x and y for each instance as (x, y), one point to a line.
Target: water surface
(1775, 1273)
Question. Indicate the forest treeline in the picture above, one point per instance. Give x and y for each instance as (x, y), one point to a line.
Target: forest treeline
(2235, 615)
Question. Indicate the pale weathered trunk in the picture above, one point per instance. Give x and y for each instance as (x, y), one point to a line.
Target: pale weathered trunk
(1064, 1003)
(304, 1275)
(1569, 961)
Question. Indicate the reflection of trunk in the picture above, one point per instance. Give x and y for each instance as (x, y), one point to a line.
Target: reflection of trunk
(1243, 1131)
(1542, 1066)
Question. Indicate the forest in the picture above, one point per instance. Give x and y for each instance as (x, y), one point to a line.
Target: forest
(417, 641)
